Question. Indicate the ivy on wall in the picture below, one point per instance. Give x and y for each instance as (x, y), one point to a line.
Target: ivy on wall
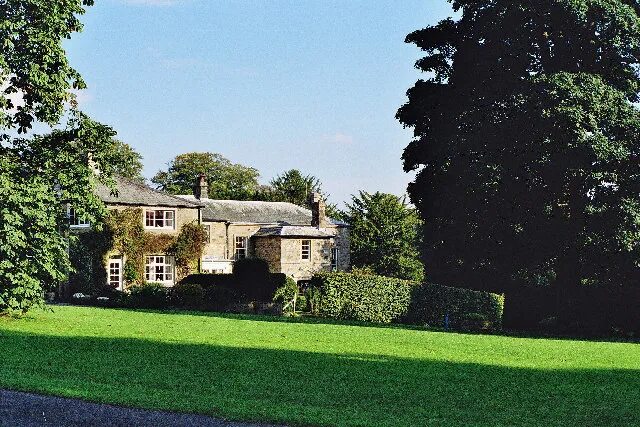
(124, 234)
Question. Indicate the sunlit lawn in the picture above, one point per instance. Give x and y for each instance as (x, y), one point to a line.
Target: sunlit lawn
(253, 368)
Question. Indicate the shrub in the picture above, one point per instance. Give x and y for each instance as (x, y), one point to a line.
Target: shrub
(189, 295)
(253, 279)
(149, 295)
(302, 304)
(285, 293)
(432, 304)
(220, 297)
(374, 298)
(361, 297)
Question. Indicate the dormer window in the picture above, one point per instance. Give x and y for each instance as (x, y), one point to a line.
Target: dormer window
(161, 219)
(76, 221)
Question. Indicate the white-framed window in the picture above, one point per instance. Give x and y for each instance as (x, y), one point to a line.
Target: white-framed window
(160, 218)
(159, 268)
(207, 230)
(306, 250)
(241, 247)
(115, 273)
(334, 259)
(76, 221)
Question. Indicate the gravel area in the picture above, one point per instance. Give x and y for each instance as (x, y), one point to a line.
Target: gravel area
(31, 410)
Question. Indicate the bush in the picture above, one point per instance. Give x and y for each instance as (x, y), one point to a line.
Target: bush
(374, 298)
(188, 295)
(302, 304)
(220, 297)
(362, 297)
(285, 293)
(253, 279)
(149, 295)
(457, 308)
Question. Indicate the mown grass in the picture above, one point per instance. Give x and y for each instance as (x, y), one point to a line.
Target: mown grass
(252, 368)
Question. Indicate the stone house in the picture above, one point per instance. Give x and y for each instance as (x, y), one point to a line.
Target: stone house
(160, 214)
(293, 240)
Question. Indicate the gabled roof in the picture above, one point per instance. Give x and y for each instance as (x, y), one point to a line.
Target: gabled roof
(255, 212)
(292, 231)
(135, 194)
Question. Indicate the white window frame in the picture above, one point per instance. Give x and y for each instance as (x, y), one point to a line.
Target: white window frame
(114, 270)
(335, 253)
(305, 249)
(154, 217)
(75, 221)
(240, 247)
(159, 265)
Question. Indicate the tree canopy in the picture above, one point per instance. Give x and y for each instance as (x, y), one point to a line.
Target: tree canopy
(41, 175)
(128, 163)
(293, 187)
(227, 180)
(527, 143)
(385, 235)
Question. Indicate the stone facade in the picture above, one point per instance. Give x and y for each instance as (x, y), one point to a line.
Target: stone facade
(282, 253)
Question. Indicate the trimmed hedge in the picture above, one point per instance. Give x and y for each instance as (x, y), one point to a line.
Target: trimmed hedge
(367, 298)
(457, 308)
(381, 299)
(245, 286)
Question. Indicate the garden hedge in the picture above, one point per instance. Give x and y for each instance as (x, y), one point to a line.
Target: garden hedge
(374, 298)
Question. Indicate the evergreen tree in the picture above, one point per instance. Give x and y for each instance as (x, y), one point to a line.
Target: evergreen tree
(385, 234)
(527, 144)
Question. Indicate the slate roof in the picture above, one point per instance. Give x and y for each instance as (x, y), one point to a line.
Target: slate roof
(132, 193)
(292, 231)
(281, 213)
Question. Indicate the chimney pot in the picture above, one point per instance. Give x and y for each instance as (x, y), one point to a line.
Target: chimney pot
(318, 211)
(201, 189)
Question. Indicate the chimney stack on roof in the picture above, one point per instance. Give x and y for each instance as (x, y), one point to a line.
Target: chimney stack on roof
(201, 189)
(318, 211)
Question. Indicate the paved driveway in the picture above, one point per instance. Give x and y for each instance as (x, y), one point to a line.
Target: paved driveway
(31, 410)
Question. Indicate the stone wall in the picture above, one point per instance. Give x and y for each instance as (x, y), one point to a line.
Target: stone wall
(292, 263)
(216, 247)
(269, 249)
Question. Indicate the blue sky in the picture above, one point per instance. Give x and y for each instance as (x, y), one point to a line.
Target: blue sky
(273, 84)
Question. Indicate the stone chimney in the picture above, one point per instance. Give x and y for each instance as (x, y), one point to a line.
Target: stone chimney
(318, 211)
(201, 189)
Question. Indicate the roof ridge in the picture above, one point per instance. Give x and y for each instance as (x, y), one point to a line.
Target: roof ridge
(164, 193)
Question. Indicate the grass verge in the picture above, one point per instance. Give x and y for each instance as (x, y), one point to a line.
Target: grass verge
(253, 368)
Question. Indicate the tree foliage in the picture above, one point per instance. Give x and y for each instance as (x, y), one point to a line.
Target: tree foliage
(129, 164)
(227, 180)
(34, 69)
(40, 175)
(293, 187)
(527, 142)
(385, 235)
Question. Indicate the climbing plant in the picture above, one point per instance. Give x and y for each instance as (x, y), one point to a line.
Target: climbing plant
(123, 233)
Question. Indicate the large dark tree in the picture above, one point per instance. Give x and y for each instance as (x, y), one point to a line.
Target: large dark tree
(527, 144)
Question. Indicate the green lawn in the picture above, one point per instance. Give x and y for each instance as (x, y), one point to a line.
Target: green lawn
(319, 373)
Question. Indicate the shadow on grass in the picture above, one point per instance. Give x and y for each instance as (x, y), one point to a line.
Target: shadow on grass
(314, 388)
